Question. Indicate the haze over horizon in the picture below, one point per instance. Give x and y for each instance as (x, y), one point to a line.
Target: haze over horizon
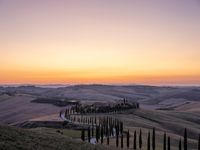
(100, 41)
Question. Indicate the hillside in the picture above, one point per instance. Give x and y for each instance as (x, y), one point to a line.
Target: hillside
(12, 138)
(150, 97)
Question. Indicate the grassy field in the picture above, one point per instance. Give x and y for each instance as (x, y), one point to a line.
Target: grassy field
(173, 122)
(183, 100)
(12, 138)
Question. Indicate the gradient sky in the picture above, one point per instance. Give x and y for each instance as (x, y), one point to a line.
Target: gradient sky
(100, 41)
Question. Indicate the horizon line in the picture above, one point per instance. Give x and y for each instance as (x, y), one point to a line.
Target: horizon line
(103, 84)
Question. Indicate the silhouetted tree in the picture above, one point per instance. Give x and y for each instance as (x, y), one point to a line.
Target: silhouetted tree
(199, 143)
(83, 135)
(164, 141)
(140, 139)
(128, 135)
(117, 140)
(111, 129)
(95, 120)
(89, 134)
(121, 127)
(101, 134)
(180, 144)
(108, 140)
(60, 113)
(122, 140)
(117, 128)
(148, 142)
(168, 143)
(137, 105)
(92, 131)
(185, 139)
(153, 140)
(134, 141)
(97, 133)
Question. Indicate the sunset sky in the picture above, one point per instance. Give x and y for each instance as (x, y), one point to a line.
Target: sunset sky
(100, 41)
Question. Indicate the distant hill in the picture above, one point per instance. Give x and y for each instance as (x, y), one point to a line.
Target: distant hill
(23, 103)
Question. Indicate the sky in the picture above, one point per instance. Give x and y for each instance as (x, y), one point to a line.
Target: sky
(100, 41)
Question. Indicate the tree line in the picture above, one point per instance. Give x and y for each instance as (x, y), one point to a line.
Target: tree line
(102, 128)
(122, 136)
(114, 108)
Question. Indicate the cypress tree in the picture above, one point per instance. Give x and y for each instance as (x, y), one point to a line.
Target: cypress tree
(117, 129)
(89, 134)
(95, 120)
(153, 140)
(101, 134)
(128, 135)
(60, 113)
(168, 143)
(122, 141)
(97, 133)
(108, 140)
(199, 143)
(83, 135)
(107, 129)
(121, 127)
(117, 140)
(134, 141)
(185, 139)
(148, 142)
(164, 141)
(180, 144)
(92, 130)
(140, 139)
(110, 130)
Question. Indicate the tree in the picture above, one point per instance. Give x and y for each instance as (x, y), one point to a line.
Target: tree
(111, 129)
(117, 128)
(121, 127)
(168, 143)
(185, 139)
(153, 140)
(95, 120)
(199, 143)
(60, 113)
(107, 130)
(122, 140)
(134, 141)
(180, 144)
(117, 140)
(137, 105)
(140, 139)
(128, 135)
(148, 142)
(89, 134)
(108, 140)
(83, 135)
(92, 130)
(97, 133)
(101, 134)
(164, 141)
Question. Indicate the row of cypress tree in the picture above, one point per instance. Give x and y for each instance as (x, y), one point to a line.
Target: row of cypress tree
(107, 127)
(166, 139)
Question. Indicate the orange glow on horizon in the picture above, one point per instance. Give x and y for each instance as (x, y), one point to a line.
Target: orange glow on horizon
(89, 77)
(93, 42)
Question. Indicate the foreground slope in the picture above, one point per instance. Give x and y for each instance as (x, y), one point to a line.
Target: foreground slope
(12, 138)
